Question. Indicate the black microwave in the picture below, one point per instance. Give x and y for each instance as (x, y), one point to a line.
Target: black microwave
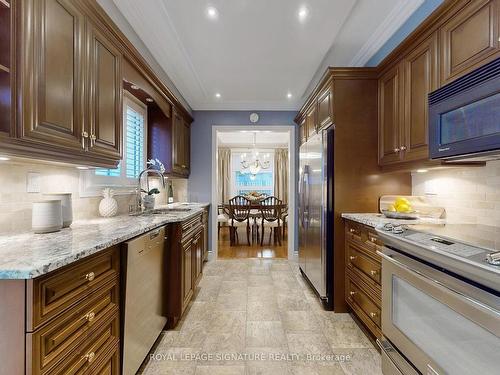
(464, 117)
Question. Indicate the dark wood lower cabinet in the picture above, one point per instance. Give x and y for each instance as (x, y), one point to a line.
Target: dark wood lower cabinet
(363, 271)
(184, 265)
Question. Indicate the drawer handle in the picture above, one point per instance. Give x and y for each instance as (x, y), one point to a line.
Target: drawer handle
(352, 257)
(90, 316)
(89, 357)
(373, 314)
(352, 230)
(373, 272)
(90, 276)
(351, 293)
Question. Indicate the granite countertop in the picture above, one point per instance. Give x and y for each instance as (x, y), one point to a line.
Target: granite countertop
(29, 255)
(374, 220)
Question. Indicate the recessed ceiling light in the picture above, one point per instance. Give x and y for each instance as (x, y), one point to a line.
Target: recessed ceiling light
(149, 100)
(303, 13)
(134, 87)
(422, 170)
(4, 158)
(212, 13)
(289, 95)
(217, 95)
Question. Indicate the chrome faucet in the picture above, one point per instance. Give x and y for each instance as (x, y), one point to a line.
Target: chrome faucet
(147, 172)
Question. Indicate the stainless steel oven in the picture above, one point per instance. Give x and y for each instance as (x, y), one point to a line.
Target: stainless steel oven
(434, 322)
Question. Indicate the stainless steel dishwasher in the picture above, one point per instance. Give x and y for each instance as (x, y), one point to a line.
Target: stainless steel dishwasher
(143, 305)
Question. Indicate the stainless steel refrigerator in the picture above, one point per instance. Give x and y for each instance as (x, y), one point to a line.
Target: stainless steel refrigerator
(316, 213)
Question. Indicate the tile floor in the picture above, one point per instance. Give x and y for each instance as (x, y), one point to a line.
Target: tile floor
(258, 317)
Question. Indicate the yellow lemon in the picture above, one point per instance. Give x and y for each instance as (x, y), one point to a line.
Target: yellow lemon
(403, 207)
(401, 200)
(391, 208)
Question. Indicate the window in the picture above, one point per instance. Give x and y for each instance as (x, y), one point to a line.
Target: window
(242, 183)
(134, 153)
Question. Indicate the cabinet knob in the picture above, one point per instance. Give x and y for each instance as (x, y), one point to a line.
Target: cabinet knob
(352, 230)
(85, 135)
(352, 257)
(373, 272)
(89, 357)
(351, 293)
(403, 148)
(373, 239)
(373, 314)
(90, 276)
(90, 316)
(396, 150)
(92, 140)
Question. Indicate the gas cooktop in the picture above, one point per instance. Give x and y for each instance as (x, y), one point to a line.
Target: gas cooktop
(460, 248)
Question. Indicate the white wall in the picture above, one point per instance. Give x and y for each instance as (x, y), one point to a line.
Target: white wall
(16, 203)
(470, 195)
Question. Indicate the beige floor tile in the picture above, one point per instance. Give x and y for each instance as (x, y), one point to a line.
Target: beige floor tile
(268, 368)
(265, 334)
(314, 368)
(227, 321)
(346, 334)
(231, 302)
(263, 311)
(220, 370)
(363, 361)
(308, 343)
(292, 302)
(300, 321)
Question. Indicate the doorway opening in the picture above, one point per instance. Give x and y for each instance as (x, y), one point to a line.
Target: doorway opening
(253, 195)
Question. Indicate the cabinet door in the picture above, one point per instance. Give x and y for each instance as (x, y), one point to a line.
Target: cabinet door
(197, 258)
(105, 89)
(178, 151)
(52, 86)
(325, 116)
(469, 39)
(390, 116)
(186, 132)
(187, 272)
(420, 73)
(311, 121)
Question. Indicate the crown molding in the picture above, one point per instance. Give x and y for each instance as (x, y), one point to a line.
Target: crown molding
(394, 20)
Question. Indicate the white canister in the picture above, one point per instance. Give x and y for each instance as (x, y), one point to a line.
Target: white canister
(67, 206)
(47, 216)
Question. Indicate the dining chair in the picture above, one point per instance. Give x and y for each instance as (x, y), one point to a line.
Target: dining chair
(284, 218)
(239, 216)
(270, 209)
(222, 217)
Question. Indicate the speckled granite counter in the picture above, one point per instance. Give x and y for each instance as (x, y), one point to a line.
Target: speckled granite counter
(375, 220)
(28, 255)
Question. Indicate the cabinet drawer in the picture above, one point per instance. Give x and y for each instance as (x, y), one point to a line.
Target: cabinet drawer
(358, 296)
(53, 293)
(191, 225)
(55, 340)
(353, 231)
(355, 258)
(93, 355)
(109, 366)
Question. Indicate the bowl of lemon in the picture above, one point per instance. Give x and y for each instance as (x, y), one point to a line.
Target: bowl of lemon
(400, 209)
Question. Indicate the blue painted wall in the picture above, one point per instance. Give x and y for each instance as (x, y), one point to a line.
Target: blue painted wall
(411, 24)
(200, 179)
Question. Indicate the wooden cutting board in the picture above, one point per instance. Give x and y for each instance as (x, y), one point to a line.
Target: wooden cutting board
(419, 203)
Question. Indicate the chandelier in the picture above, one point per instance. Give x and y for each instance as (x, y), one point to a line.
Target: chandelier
(254, 162)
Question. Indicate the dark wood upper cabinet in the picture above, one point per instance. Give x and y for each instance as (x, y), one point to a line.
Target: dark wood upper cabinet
(390, 115)
(302, 131)
(469, 39)
(311, 121)
(420, 78)
(180, 145)
(6, 15)
(105, 87)
(52, 74)
(325, 116)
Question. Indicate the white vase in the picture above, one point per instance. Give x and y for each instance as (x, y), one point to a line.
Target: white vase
(149, 202)
(108, 207)
(67, 206)
(47, 216)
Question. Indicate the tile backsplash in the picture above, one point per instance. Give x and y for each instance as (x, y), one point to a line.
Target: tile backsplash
(16, 203)
(470, 195)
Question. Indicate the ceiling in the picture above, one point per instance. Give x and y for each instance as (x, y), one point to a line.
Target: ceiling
(258, 54)
(244, 138)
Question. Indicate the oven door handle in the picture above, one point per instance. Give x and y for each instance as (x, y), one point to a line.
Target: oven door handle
(457, 293)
